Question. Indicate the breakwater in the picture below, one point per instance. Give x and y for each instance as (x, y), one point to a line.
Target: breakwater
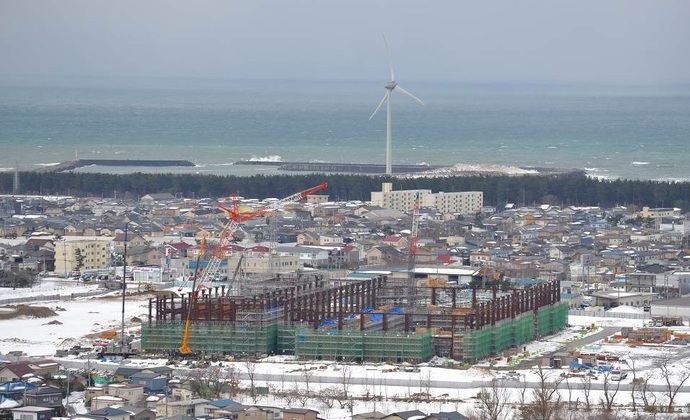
(358, 168)
(79, 163)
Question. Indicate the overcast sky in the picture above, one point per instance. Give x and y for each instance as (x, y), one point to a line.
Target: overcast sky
(598, 41)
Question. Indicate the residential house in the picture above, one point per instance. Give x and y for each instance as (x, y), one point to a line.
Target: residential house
(151, 381)
(371, 415)
(193, 408)
(132, 393)
(109, 413)
(139, 413)
(45, 396)
(397, 241)
(32, 413)
(14, 389)
(405, 415)
(224, 408)
(300, 414)
(17, 371)
(256, 412)
(150, 199)
(133, 240)
(103, 401)
(446, 415)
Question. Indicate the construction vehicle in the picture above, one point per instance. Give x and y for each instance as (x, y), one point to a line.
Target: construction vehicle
(235, 219)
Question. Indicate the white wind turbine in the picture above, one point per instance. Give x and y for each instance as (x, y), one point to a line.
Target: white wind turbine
(390, 87)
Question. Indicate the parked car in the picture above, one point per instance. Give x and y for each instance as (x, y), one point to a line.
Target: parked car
(618, 375)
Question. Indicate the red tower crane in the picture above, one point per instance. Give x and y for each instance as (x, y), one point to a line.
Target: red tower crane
(235, 219)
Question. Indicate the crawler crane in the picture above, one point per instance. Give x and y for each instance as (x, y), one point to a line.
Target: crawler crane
(235, 219)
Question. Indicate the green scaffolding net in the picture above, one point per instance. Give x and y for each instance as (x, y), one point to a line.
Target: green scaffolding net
(523, 328)
(212, 338)
(366, 345)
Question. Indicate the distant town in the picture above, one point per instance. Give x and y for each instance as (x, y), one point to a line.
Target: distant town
(410, 278)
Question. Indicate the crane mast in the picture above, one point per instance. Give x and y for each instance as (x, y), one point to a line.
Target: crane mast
(235, 219)
(412, 256)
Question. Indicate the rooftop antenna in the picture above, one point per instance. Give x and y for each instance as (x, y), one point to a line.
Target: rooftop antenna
(390, 87)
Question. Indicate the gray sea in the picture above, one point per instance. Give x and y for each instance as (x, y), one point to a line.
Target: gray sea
(633, 132)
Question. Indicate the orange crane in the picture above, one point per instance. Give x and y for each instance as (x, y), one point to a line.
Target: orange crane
(235, 219)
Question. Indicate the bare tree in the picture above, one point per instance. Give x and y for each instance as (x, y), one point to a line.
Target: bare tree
(547, 400)
(250, 367)
(674, 376)
(646, 395)
(587, 390)
(330, 395)
(345, 379)
(232, 379)
(212, 381)
(632, 364)
(306, 375)
(300, 395)
(522, 394)
(425, 383)
(570, 392)
(493, 402)
(610, 391)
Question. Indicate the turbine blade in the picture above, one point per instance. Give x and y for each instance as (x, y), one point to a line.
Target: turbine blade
(385, 96)
(408, 94)
(390, 59)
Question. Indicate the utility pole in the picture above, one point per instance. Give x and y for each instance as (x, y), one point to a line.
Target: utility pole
(124, 290)
(67, 397)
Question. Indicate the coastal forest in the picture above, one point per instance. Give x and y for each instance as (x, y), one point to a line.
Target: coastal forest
(563, 189)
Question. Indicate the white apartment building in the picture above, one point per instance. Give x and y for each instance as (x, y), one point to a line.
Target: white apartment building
(466, 202)
(95, 254)
(397, 200)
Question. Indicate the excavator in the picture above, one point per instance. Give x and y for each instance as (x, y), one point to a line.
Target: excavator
(235, 218)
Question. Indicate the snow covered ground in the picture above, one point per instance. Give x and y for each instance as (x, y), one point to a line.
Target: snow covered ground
(81, 320)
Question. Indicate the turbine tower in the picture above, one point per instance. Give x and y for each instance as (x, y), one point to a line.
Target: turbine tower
(390, 87)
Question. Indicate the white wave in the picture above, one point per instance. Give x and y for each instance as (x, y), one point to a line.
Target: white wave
(552, 147)
(479, 168)
(272, 158)
(636, 163)
(48, 164)
(6, 169)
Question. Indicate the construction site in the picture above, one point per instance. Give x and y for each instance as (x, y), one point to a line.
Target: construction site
(397, 318)
(376, 319)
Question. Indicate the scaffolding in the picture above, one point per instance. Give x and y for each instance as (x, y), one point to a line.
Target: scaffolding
(476, 344)
(376, 346)
(502, 335)
(560, 316)
(356, 320)
(544, 321)
(523, 328)
(214, 337)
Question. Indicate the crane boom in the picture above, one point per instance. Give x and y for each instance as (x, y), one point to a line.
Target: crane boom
(235, 218)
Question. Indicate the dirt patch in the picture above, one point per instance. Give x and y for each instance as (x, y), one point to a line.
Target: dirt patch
(11, 312)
